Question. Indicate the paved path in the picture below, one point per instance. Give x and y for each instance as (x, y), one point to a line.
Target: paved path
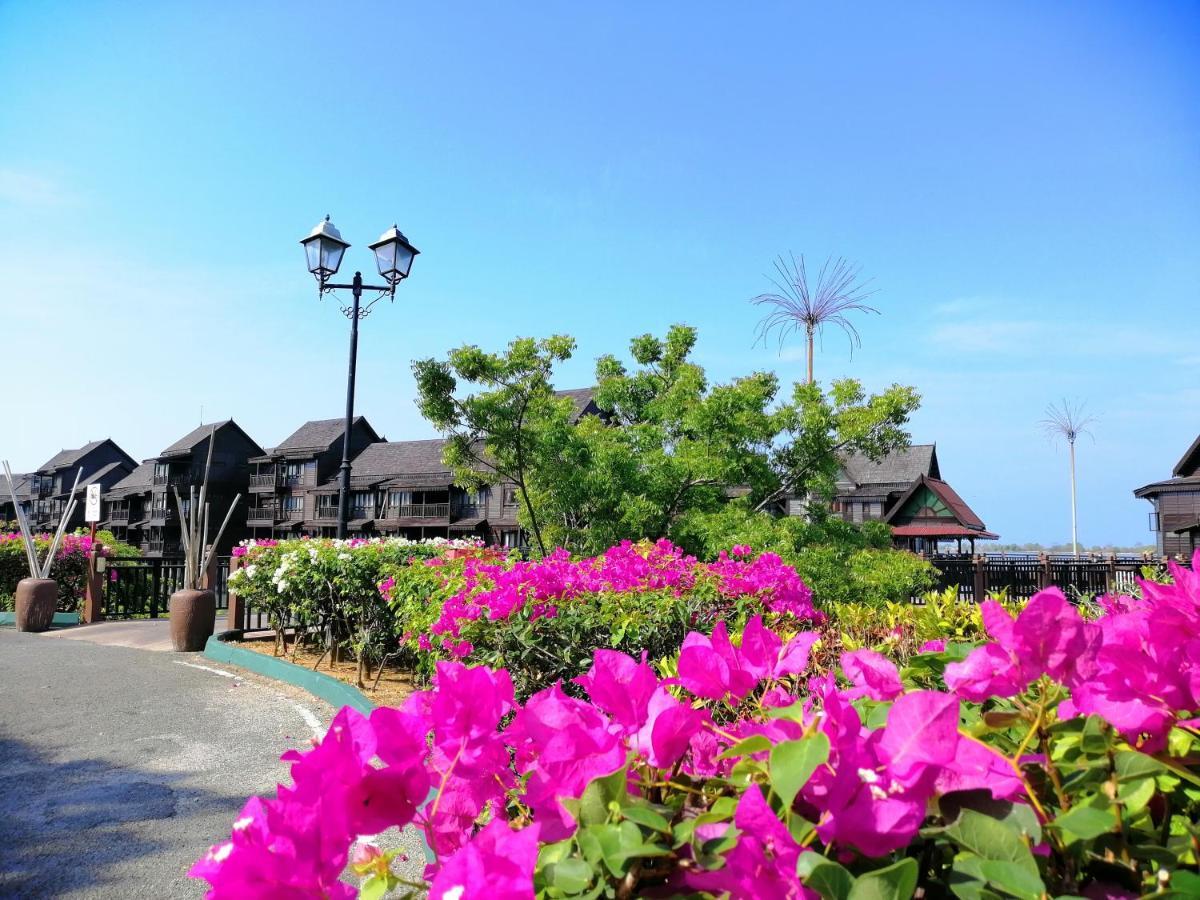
(118, 767)
(143, 634)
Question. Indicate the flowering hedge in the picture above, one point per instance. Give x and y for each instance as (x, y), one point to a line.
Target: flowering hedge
(1058, 758)
(70, 563)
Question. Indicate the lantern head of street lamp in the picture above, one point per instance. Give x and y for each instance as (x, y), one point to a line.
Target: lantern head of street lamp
(324, 248)
(394, 256)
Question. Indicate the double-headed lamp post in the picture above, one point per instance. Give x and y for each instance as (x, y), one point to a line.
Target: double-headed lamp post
(394, 256)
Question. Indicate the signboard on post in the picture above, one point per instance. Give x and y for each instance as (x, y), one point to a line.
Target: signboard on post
(92, 510)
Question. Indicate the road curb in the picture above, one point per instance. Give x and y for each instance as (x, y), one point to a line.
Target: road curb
(61, 619)
(336, 693)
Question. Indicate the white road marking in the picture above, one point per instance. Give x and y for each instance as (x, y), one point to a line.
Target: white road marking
(309, 717)
(180, 662)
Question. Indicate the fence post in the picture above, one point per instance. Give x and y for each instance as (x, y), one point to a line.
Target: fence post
(235, 615)
(1045, 574)
(980, 579)
(93, 589)
(1112, 574)
(208, 578)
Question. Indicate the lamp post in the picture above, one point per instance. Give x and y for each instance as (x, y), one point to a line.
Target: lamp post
(394, 256)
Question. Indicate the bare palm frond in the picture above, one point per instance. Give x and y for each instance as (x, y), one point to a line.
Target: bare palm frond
(1067, 420)
(799, 305)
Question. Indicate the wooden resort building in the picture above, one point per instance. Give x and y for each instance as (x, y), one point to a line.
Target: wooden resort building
(98, 462)
(1175, 519)
(905, 490)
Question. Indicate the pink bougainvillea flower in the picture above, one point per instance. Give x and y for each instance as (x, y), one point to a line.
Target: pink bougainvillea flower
(937, 645)
(496, 864)
(563, 744)
(975, 767)
(621, 686)
(921, 736)
(713, 668)
(762, 864)
(872, 674)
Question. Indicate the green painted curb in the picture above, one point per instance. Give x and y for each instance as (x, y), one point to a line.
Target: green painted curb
(335, 693)
(60, 619)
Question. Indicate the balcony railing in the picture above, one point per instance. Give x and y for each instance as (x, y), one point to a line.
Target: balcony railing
(290, 515)
(415, 511)
(163, 513)
(179, 479)
(261, 514)
(118, 515)
(272, 480)
(166, 548)
(356, 512)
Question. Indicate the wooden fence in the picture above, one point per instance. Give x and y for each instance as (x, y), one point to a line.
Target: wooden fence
(1020, 577)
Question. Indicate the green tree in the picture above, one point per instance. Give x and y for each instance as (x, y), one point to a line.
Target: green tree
(669, 443)
(504, 430)
(817, 429)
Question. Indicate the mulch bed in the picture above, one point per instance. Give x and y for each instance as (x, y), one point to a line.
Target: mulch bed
(394, 685)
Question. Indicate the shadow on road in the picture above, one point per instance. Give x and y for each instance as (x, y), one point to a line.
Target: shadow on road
(86, 826)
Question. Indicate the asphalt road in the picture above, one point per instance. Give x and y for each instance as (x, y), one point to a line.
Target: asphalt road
(120, 767)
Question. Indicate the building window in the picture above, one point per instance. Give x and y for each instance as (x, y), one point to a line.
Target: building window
(294, 504)
(510, 496)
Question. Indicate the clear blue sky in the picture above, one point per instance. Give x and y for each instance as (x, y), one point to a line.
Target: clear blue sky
(1022, 182)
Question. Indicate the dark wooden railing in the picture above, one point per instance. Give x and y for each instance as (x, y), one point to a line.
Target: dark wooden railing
(166, 548)
(415, 511)
(1022, 576)
(261, 514)
(265, 481)
(179, 479)
(118, 515)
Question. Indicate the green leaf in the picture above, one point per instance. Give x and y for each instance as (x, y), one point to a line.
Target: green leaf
(1084, 823)
(374, 888)
(1017, 815)
(829, 879)
(895, 882)
(571, 876)
(1013, 878)
(989, 838)
(756, 743)
(1135, 795)
(792, 763)
(593, 805)
(644, 815)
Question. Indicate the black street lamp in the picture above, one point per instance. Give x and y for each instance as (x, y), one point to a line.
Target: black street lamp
(394, 256)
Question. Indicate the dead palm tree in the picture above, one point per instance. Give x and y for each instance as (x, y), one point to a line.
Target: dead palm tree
(798, 305)
(1069, 421)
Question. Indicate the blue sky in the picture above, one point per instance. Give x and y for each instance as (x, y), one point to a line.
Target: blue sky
(1020, 181)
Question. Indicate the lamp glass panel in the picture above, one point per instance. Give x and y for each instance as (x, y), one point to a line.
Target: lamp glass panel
(404, 259)
(331, 255)
(312, 249)
(385, 258)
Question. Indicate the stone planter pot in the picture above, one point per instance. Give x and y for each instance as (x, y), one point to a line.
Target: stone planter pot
(36, 601)
(193, 619)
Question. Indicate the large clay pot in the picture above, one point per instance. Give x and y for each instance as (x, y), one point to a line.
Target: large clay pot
(193, 619)
(36, 601)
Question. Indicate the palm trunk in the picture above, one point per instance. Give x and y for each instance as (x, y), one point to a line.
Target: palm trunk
(1074, 520)
(810, 354)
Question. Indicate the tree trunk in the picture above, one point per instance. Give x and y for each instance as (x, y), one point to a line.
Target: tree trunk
(809, 332)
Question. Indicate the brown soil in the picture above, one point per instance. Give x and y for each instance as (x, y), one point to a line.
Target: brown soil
(394, 685)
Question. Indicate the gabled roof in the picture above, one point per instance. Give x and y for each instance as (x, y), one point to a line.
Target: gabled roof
(1169, 486)
(65, 458)
(22, 484)
(1189, 464)
(390, 459)
(200, 433)
(955, 505)
(319, 434)
(900, 467)
(99, 474)
(140, 479)
(584, 400)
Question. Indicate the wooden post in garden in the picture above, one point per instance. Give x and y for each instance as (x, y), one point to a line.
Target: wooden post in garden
(235, 616)
(980, 579)
(1045, 575)
(93, 589)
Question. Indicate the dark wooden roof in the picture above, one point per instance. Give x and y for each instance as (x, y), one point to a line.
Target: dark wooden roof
(902, 467)
(65, 458)
(22, 484)
(1169, 486)
(104, 471)
(1189, 464)
(319, 434)
(584, 400)
(387, 459)
(958, 508)
(200, 433)
(139, 480)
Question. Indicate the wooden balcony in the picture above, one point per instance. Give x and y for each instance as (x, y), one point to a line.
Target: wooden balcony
(467, 511)
(166, 548)
(179, 479)
(118, 515)
(163, 514)
(415, 511)
(330, 513)
(266, 482)
(260, 515)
